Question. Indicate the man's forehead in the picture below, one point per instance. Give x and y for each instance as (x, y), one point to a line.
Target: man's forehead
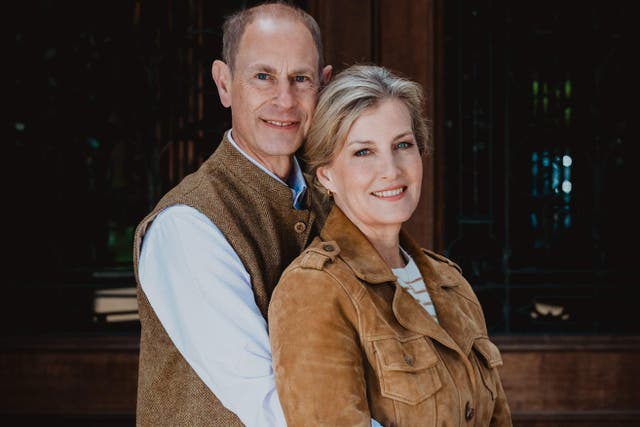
(271, 23)
(265, 25)
(277, 43)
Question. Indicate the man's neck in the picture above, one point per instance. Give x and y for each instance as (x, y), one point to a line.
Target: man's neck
(278, 167)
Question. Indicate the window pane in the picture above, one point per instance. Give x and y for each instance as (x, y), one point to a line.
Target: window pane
(539, 162)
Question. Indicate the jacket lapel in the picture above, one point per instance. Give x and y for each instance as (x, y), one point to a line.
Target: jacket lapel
(455, 330)
(454, 323)
(414, 317)
(355, 249)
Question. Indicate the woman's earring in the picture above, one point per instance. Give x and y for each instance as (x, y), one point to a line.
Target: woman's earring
(329, 193)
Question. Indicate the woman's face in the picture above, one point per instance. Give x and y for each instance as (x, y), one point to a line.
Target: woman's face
(377, 175)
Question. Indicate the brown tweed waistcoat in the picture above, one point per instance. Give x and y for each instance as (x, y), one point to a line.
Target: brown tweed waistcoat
(255, 214)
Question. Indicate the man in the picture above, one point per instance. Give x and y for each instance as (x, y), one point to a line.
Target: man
(210, 253)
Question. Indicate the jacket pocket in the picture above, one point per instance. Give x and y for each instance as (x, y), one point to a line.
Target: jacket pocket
(407, 369)
(488, 356)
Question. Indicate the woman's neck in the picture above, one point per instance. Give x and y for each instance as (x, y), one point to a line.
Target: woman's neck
(389, 248)
(385, 238)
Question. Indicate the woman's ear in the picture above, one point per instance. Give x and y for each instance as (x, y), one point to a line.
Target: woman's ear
(323, 173)
(222, 76)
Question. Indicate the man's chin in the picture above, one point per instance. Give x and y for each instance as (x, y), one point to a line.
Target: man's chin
(281, 146)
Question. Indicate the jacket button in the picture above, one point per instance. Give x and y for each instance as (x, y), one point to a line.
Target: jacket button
(408, 359)
(469, 412)
(327, 248)
(300, 227)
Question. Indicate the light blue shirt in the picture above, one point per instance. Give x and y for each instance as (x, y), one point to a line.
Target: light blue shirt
(202, 295)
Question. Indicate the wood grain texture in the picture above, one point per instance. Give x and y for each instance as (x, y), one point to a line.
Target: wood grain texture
(564, 375)
(69, 375)
(346, 31)
(548, 380)
(403, 36)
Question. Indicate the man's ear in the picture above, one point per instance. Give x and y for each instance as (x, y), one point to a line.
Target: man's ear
(323, 173)
(326, 74)
(222, 76)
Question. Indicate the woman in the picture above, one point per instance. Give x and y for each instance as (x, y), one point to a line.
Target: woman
(364, 323)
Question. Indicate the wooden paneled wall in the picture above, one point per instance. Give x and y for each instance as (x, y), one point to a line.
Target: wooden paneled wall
(572, 380)
(549, 381)
(70, 381)
(404, 36)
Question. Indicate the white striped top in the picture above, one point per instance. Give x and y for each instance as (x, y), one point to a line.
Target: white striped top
(410, 279)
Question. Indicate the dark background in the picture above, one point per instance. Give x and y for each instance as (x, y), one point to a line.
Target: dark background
(112, 103)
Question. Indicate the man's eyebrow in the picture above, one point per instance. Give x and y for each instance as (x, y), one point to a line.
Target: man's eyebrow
(303, 70)
(260, 67)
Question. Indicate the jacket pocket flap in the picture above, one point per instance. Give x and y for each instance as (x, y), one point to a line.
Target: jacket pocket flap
(407, 369)
(409, 356)
(488, 351)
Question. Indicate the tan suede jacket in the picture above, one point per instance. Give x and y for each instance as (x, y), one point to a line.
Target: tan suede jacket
(349, 344)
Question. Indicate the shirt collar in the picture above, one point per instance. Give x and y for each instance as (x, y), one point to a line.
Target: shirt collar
(296, 181)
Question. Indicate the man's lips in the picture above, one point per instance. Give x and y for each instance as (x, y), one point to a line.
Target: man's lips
(280, 123)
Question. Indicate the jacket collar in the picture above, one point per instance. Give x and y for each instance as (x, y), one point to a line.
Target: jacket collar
(365, 261)
(435, 274)
(444, 285)
(456, 329)
(355, 249)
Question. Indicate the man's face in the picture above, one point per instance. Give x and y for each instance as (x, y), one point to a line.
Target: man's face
(273, 90)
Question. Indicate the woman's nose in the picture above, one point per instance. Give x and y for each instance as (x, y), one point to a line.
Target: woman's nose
(389, 166)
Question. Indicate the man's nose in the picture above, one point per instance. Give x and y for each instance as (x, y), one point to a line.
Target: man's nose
(285, 94)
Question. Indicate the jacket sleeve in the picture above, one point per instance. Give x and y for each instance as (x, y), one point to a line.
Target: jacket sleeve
(317, 358)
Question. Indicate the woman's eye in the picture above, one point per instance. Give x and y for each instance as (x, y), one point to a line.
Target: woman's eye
(404, 145)
(362, 152)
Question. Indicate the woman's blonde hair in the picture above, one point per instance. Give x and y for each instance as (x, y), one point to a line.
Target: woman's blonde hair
(353, 91)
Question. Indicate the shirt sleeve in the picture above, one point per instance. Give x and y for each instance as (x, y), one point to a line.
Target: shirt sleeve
(318, 358)
(202, 294)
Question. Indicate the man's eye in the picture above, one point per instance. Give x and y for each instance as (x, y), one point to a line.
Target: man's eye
(301, 79)
(262, 76)
(361, 153)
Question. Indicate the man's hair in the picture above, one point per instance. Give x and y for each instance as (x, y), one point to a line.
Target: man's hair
(235, 25)
(352, 92)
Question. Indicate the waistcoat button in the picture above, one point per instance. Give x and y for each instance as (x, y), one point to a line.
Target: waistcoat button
(469, 412)
(328, 248)
(300, 227)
